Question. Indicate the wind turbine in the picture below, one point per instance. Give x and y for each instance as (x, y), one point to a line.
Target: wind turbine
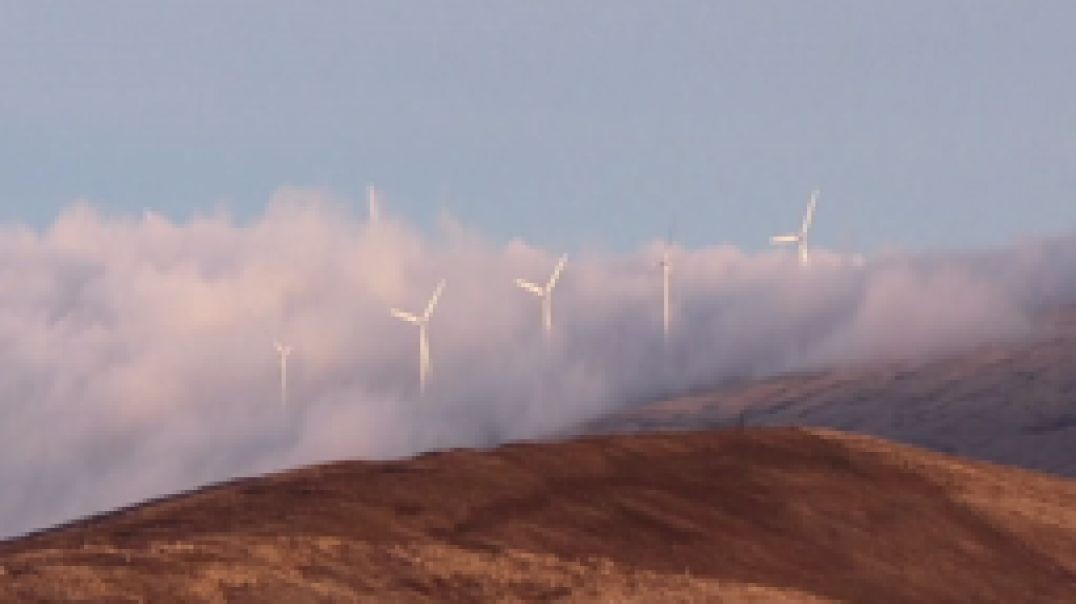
(284, 351)
(800, 238)
(545, 293)
(372, 203)
(666, 268)
(423, 340)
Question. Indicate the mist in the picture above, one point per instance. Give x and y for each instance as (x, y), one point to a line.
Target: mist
(138, 352)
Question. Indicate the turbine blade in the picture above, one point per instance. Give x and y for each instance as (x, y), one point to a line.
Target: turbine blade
(404, 316)
(433, 300)
(556, 272)
(532, 288)
(782, 239)
(808, 218)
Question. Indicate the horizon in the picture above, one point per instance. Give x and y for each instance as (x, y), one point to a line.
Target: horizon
(434, 225)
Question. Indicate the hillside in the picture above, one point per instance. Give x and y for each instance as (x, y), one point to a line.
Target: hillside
(760, 514)
(1012, 403)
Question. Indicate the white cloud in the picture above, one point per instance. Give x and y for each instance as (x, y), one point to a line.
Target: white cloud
(138, 357)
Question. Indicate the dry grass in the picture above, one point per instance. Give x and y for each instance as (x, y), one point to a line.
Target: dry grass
(320, 568)
(755, 515)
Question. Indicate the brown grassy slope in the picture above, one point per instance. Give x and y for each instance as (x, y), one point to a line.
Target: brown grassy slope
(763, 514)
(1011, 403)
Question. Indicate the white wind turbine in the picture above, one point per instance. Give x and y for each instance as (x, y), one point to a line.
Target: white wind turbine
(284, 351)
(800, 238)
(372, 203)
(423, 339)
(545, 293)
(666, 268)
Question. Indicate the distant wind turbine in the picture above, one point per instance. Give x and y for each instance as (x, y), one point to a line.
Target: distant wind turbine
(666, 268)
(372, 203)
(545, 293)
(423, 340)
(284, 351)
(800, 238)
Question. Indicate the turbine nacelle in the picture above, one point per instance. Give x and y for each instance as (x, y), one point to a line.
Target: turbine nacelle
(665, 262)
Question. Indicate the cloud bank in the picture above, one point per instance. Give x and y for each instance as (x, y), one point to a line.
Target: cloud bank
(138, 353)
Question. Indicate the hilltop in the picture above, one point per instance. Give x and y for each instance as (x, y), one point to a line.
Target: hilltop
(1011, 403)
(757, 514)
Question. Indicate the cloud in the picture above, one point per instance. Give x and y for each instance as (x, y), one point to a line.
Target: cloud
(138, 356)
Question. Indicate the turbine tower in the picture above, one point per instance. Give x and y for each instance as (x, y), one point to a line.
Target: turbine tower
(545, 294)
(666, 268)
(800, 238)
(423, 340)
(284, 351)
(372, 203)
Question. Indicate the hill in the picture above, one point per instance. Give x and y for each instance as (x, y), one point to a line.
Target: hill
(759, 514)
(1012, 403)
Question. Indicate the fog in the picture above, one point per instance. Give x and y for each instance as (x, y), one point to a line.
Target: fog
(138, 353)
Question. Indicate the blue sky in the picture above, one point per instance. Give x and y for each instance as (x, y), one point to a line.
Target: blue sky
(572, 124)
